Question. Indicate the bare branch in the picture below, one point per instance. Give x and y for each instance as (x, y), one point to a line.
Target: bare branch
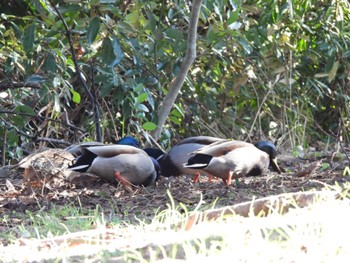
(54, 141)
(177, 83)
(16, 85)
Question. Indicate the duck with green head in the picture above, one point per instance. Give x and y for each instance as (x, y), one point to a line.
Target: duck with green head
(234, 159)
(172, 162)
(77, 149)
(121, 162)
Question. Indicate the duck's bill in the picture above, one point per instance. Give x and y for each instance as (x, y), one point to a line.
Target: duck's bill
(275, 165)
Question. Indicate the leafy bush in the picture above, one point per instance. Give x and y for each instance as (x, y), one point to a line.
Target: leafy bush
(276, 69)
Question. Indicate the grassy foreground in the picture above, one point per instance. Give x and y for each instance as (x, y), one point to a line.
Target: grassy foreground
(317, 233)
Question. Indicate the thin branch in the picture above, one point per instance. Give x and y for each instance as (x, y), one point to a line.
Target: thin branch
(18, 131)
(16, 85)
(50, 140)
(80, 75)
(177, 83)
(3, 149)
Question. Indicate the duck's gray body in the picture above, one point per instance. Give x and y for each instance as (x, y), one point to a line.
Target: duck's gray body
(172, 162)
(232, 159)
(132, 163)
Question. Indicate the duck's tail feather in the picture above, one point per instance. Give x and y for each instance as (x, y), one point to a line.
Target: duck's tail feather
(198, 161)
(83, 162)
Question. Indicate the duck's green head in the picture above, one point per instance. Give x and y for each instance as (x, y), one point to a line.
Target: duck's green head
(128, 140)
(271, 150)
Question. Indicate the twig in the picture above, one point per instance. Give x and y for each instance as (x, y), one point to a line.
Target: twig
(150, 139)
(33, 138)
(16, 129)
(309, 170)
(96, 104)
(261, 105)
(81, 79)
(50, 140)
(3, 150)
(16, 85)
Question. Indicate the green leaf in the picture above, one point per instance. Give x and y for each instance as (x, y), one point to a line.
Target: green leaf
(176, 113)
(180, 109)
(175, 120)
(139, 88)
(18, 120)
(50, 63)
(247, 48)
(107, 1)
(233, 16)
(118, 52)
(12, 138)
(211, 35)
(107, 53)
(149, 126)
(152, 23)
(36, 79)
(142, 107)
(325, 166)
(76, 96)
(142, 97)
(333, 71)
(106, 89)
(72, 8)
(175, 34)
(28, 38)
(150, 101)
(127, 109)
(133, 18)
(25, 109)
(93, 28)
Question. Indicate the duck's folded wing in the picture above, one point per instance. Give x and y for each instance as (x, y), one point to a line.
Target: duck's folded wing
(114, 150)
(222, 147)
(205, 140)
(77, 149)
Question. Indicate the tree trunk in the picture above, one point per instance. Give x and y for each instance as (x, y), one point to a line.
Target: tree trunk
(178, 81)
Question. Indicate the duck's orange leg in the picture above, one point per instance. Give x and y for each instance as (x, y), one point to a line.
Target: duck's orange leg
(228, 180)
(125, 183)
(196, 178)
(211, 178)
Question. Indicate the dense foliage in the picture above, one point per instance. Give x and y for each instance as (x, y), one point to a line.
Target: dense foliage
(275, 69)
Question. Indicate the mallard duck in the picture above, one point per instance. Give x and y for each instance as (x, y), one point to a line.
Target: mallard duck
(234, 159)
(123, 163)
(77, 149)
(172, 163)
